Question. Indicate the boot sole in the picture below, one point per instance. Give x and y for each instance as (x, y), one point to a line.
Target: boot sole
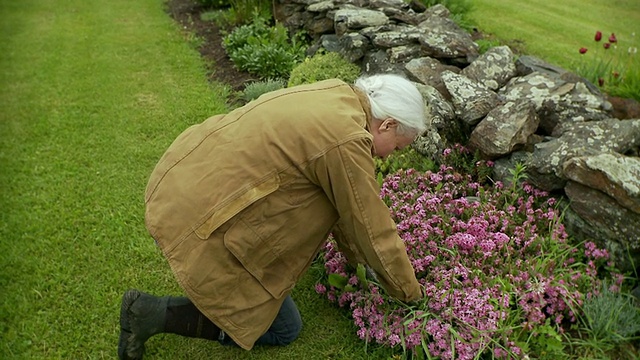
(126, 335)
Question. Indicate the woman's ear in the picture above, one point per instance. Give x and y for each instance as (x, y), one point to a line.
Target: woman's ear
(388, 124)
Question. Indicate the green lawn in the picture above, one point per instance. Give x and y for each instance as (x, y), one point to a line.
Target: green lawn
(92, 93)
(555, 30)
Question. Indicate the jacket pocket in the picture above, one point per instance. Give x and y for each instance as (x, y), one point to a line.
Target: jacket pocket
(225, 212)
(259, 259)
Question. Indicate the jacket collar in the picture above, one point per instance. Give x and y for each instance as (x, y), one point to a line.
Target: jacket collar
(366, 106)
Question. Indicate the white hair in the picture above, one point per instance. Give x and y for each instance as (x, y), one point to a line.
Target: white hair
(393, 96)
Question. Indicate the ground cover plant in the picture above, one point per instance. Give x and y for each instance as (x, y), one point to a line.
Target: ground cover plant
(500, 277)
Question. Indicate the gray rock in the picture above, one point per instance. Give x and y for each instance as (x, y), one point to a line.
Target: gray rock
(614, 226)
(402, 54)
(505, 129)
(353, 46)
(378, 62)
(440, 110)
(492, 69)
(346, 20)
(380, 4)
(321, 6)
(614, 174)
(581, 139)
(443, 38)
(471, 100)
(503, 167)
(428, 71)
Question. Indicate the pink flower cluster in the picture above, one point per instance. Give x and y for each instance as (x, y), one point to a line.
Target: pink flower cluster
(494, 266)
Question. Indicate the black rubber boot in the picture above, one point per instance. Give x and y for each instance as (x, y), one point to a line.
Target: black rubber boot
(141, 316)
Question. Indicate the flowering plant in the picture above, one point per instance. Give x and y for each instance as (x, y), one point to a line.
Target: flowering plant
(497, 271)
(612, 66)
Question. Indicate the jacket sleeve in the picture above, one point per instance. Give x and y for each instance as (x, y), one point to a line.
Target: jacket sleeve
(346, 173)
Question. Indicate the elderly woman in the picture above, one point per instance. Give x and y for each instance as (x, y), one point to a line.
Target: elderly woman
(242, 203)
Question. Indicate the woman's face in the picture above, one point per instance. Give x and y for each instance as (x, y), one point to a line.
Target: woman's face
(386, 139)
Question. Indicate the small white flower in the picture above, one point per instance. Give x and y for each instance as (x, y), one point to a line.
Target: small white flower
(633, 50)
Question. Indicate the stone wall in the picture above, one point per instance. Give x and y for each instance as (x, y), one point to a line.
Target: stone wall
(512, 110)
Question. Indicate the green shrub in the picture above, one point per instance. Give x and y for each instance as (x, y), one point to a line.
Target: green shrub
(611, 317)
(263, 50)
(255, 89)
(322, 67)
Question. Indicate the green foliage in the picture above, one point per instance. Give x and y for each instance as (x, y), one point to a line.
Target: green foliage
(213, 4)
(247, 9)
(323, 66)
(263, 50)
(467, 162)
(255, 89)
(407, 158)
(237, 13)
(485, 44)
(611, 317)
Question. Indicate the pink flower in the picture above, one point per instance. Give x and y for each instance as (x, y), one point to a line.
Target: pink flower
(612, 38)
(320, 289)
(583, 50)
(598, 36)
(606, 45)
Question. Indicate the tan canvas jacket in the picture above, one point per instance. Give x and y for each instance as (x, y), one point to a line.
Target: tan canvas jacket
(241, 203)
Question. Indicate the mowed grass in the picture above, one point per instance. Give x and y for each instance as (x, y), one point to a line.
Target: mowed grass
(556, 30)
(91, 94)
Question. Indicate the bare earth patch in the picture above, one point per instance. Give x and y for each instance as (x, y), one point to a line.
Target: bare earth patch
(187, 14)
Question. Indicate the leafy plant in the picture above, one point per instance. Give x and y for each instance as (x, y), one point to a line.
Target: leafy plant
(255, 89)
(466, 162)
(263, 50)
(245, 11)
(323, 66)
(237, 13)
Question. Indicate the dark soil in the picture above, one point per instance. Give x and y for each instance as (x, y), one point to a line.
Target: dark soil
(221, 69)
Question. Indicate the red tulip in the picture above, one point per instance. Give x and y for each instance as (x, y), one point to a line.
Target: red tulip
(606, 45)
(598, 35)
(583, 50)
(600, 81)
(612, 38)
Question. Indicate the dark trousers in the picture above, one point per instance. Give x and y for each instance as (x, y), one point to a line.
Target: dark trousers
(284, 329)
